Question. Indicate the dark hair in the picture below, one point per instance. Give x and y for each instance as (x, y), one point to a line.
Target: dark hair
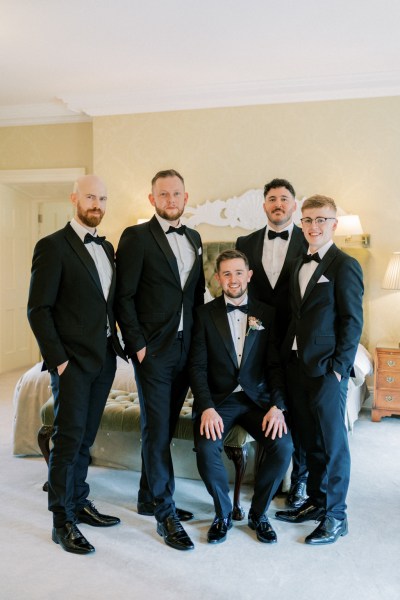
(319, 201)
(167, 173)
(229, 255)
(277, 183)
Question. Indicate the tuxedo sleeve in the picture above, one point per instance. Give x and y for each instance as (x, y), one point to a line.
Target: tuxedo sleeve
(349, 291)
(129, 265)
(274, 370)
(198, 361)
(43, 294)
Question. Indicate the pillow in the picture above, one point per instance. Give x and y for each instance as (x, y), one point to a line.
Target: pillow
(363, 365)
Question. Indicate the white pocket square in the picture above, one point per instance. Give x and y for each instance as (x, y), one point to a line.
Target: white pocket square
(323, 279)
(200, 251)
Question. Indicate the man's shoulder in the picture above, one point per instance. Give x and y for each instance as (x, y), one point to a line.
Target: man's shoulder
(243, 240)
(261, 307)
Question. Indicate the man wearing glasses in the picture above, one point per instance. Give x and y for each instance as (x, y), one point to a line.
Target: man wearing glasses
(326, 289)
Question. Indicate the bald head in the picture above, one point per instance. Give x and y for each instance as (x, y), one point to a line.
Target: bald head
(89, 197)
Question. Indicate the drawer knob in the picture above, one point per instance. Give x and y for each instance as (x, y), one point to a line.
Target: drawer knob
(388, 398)
(390, 379)
(391, 363)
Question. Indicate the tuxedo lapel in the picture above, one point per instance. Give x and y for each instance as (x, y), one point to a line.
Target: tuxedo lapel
(162, 241)
(296, 245)
(220, 318)
(79, 248)
(251, 334)
(322, 266)
(257, 264)
(197, 257)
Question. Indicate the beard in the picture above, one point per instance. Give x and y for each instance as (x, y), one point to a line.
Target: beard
(90, 217)
(235, 293)
(169, 216)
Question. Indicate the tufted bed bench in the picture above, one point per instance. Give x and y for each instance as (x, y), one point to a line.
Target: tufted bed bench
(122, 416)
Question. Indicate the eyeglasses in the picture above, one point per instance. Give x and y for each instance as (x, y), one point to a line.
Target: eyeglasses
(318, 220)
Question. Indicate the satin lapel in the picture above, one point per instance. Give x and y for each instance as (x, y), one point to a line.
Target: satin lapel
(79, 247)
(296, 248)
(197, 257)
(220, 318)
(256, 263)
(110, 254)
(162, 241)
(323, 265)
(251, 335)
(296, 284)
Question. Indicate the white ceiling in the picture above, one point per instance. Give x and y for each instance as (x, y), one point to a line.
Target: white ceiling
(63, 61)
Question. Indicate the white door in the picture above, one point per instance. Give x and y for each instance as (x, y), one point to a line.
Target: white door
(53, 216)
(15, 261)
(22, 223)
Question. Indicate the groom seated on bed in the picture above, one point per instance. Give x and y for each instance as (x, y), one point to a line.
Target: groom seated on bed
(236, 377)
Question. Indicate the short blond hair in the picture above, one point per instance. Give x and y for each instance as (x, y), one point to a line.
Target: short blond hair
(319, 201)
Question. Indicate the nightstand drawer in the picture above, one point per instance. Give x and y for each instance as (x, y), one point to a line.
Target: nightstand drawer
(387, 400)
(388, 361)
(388, 379)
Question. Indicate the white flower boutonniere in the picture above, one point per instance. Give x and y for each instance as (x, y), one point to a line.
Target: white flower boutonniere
(253, 324)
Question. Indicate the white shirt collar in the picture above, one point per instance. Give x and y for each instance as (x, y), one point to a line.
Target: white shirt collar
(80, 229)
(323, 250)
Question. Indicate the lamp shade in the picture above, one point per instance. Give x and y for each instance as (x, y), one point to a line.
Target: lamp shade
(391, 280)
(348, 225)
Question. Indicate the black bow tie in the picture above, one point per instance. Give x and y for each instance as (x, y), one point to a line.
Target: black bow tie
(309, 257)
(91, 238)
(274, 234)
(243, 307)
(181, 230)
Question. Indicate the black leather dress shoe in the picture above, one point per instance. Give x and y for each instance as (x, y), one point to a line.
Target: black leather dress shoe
(173, 533)
(91, 516)
(262, 527)
(219, 529)
(71, 539)
(328, 531)
(297, 494)
(307, 512)
(147, 509)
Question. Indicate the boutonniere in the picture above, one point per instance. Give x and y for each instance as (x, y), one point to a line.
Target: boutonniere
(253, 324)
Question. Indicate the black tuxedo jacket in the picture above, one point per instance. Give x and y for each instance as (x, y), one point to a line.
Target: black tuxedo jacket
(328, 320)
(149, 292)
(67, 310)
(259, 287)
(213, 368)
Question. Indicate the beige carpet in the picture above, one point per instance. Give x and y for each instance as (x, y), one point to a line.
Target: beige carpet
(131, 561)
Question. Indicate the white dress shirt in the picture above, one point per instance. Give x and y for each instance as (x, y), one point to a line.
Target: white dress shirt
(274, 254)
(100, 259)
(238, 326)
(306, 272)
(184, 254)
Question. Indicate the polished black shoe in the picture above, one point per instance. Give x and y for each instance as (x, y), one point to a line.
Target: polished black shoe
(147, 509)
(91, 516)
(219, 529)
(173, 533)
(262, 527)
(328, 531)
(71, 539)
(297, 494)
(307, 512)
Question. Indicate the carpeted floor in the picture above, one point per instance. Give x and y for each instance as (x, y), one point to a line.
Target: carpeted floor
(132, 562)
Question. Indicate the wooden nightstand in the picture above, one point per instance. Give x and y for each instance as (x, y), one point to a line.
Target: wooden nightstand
(386, 381)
